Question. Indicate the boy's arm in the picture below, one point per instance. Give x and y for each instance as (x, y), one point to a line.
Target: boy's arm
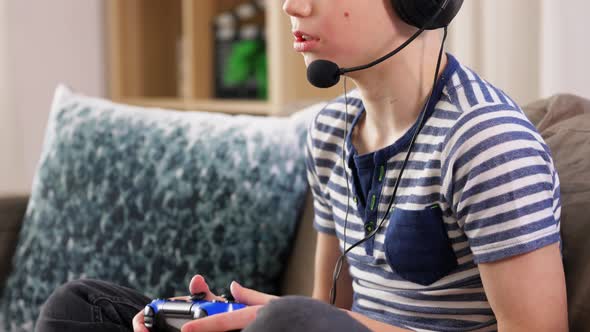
(374, 325)
(527, 292)
(327, 253)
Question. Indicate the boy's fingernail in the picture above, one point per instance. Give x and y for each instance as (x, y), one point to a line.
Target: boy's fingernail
(233, 286)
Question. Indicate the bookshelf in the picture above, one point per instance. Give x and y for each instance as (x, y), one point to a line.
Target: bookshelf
(161, 54)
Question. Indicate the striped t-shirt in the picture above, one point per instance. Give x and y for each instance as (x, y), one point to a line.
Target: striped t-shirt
(480, 186)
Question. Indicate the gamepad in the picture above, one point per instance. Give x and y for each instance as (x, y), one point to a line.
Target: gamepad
(163, 315)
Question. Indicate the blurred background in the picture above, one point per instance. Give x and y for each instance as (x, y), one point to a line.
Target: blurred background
(117, 49)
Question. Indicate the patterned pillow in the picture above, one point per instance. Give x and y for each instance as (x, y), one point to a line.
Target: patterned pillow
(146, 198)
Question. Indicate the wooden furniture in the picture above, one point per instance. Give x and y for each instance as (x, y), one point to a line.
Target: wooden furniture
(161, 54)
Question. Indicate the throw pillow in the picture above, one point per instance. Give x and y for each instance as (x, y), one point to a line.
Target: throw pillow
(146, 198)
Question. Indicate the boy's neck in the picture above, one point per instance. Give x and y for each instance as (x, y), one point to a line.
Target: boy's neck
(394, 93)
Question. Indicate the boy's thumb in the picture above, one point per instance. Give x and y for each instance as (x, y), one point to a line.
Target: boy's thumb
(249, 296)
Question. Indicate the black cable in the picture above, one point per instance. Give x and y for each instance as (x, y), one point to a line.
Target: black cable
(336, 272)
(338, 267)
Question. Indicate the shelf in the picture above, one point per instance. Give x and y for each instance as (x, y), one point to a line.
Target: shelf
(143, 37)
(161, 54)
(206, 105)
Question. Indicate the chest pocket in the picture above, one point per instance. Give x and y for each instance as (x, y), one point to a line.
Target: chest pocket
(417, 246)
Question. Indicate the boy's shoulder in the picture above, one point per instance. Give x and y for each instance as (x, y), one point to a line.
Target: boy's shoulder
(482, 114)
(337, 106)
(466, 91)
(330, 119)
(470, 99)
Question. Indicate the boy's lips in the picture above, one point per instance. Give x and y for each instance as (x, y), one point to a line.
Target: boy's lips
(304, 42)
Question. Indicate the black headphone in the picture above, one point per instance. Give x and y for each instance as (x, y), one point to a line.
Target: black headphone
(418, 13)
(423, 14)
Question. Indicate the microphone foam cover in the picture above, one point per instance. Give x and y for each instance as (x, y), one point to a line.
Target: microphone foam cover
(323, 73)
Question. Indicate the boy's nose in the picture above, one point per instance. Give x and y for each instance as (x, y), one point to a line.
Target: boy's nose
(297, 8)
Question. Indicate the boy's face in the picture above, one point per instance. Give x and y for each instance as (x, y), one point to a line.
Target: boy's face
(347, 32)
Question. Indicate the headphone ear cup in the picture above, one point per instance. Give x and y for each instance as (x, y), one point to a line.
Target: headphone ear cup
(418, 12)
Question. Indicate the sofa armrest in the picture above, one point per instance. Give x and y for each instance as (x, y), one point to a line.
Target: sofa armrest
(298, 276)
(12, 212)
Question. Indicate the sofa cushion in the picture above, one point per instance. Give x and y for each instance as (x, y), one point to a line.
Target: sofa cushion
(564, 123)
(146, 198)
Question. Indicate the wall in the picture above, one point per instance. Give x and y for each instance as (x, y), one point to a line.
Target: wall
(46, 42)
(565, 50)
(11, 161)
(529, 48)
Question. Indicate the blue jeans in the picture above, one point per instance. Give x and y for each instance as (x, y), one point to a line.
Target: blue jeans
(93, 306)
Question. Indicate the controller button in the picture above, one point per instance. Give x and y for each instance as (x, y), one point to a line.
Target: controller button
(148, 322)
(148, 311)
(148, 317)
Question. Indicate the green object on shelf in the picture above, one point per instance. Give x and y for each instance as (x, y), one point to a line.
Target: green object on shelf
(261, 76)
(247, 60)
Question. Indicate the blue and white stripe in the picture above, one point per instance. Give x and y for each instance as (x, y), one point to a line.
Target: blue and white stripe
(481, 161)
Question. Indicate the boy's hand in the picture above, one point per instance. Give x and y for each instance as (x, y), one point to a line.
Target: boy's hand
(235, 320)
(138, 323)
(197, 285)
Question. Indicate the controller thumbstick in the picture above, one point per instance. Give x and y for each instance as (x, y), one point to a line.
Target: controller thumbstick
(228, 297)
(198, 296)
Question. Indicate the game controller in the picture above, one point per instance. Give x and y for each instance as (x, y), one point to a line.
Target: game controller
(163, 315)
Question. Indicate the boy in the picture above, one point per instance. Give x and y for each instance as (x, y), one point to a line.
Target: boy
(463, 236)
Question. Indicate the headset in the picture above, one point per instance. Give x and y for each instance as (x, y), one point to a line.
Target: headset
(424, 15)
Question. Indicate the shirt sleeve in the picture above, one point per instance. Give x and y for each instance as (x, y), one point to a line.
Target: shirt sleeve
(502, 183)
(323, 219)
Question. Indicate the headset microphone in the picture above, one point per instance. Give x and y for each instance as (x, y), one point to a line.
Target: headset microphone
(323, 73)
(326, 74)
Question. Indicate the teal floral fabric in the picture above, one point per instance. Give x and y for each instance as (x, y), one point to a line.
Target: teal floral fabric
(146, 198)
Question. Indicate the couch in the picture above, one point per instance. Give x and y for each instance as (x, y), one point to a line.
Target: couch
(564, 122)
(145, 198)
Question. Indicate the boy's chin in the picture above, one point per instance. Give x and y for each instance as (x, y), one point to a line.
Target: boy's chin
(308, 59)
